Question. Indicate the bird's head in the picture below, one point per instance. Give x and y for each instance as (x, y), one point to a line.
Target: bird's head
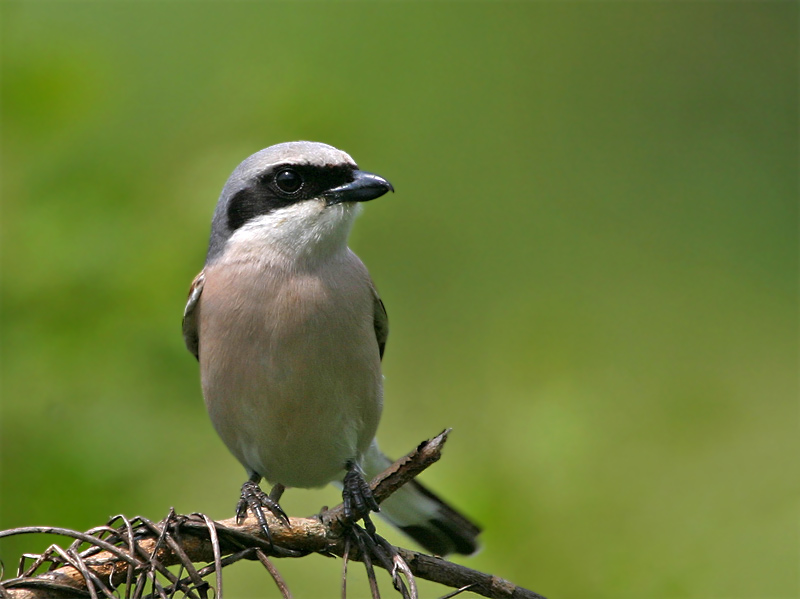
(295, 197)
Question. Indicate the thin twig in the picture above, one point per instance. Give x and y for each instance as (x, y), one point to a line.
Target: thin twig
(370, 538)
(345, 559)
(81, 567)
(52, 530)
(399, 566)
(457, 592)
(187, 564)
(212, 531)
(276, 576)
(131, 550)
(362, 547)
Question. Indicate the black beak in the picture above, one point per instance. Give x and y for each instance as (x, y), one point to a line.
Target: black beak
(363, 188)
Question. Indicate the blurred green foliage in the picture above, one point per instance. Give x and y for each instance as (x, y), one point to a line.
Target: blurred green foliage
(590, 267)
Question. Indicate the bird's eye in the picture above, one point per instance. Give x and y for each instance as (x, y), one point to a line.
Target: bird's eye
(288, 180)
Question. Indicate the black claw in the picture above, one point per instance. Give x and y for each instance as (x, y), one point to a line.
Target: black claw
(357, 495)
(254, 499)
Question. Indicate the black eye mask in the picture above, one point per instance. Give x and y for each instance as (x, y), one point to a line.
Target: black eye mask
(283, 185)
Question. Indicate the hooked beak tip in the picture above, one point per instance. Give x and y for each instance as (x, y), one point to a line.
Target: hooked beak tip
(363, 188)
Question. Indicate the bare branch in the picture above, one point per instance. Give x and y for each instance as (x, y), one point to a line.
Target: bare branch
(138, 550)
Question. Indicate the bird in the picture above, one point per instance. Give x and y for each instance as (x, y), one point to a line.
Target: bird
(290, 332)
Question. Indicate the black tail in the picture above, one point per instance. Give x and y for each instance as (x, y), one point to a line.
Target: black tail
(422, 515)
(447, 531)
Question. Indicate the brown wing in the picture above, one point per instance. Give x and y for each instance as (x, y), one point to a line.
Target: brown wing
(190, 334)
(381, 320)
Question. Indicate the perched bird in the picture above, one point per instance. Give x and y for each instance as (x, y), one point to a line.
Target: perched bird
(290, 331)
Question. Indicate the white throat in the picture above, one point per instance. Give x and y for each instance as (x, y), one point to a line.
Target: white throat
(306, 232)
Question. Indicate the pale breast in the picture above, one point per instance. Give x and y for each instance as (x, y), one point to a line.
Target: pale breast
(290, 366)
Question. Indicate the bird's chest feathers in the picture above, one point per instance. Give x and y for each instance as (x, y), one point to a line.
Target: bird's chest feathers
(293, 372)
(296, 318)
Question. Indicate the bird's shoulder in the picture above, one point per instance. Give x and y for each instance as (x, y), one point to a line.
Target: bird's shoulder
(190, 334)
(380, 319)
(379, 315)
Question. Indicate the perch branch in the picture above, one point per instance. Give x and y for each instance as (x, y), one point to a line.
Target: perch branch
(139, 549)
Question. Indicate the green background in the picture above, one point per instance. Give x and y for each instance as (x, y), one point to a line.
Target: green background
(590, 268)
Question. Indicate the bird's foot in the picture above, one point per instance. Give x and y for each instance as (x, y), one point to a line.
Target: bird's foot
(254, 499)
(359, 502)
(357, 495)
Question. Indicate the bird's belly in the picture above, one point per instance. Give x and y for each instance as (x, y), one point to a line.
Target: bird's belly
(293, 386)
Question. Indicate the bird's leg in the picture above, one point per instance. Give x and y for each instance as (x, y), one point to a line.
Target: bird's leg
(254, 499)
(277, 492)
(358, 498)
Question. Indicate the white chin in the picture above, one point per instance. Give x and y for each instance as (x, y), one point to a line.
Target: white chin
(308, 227)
